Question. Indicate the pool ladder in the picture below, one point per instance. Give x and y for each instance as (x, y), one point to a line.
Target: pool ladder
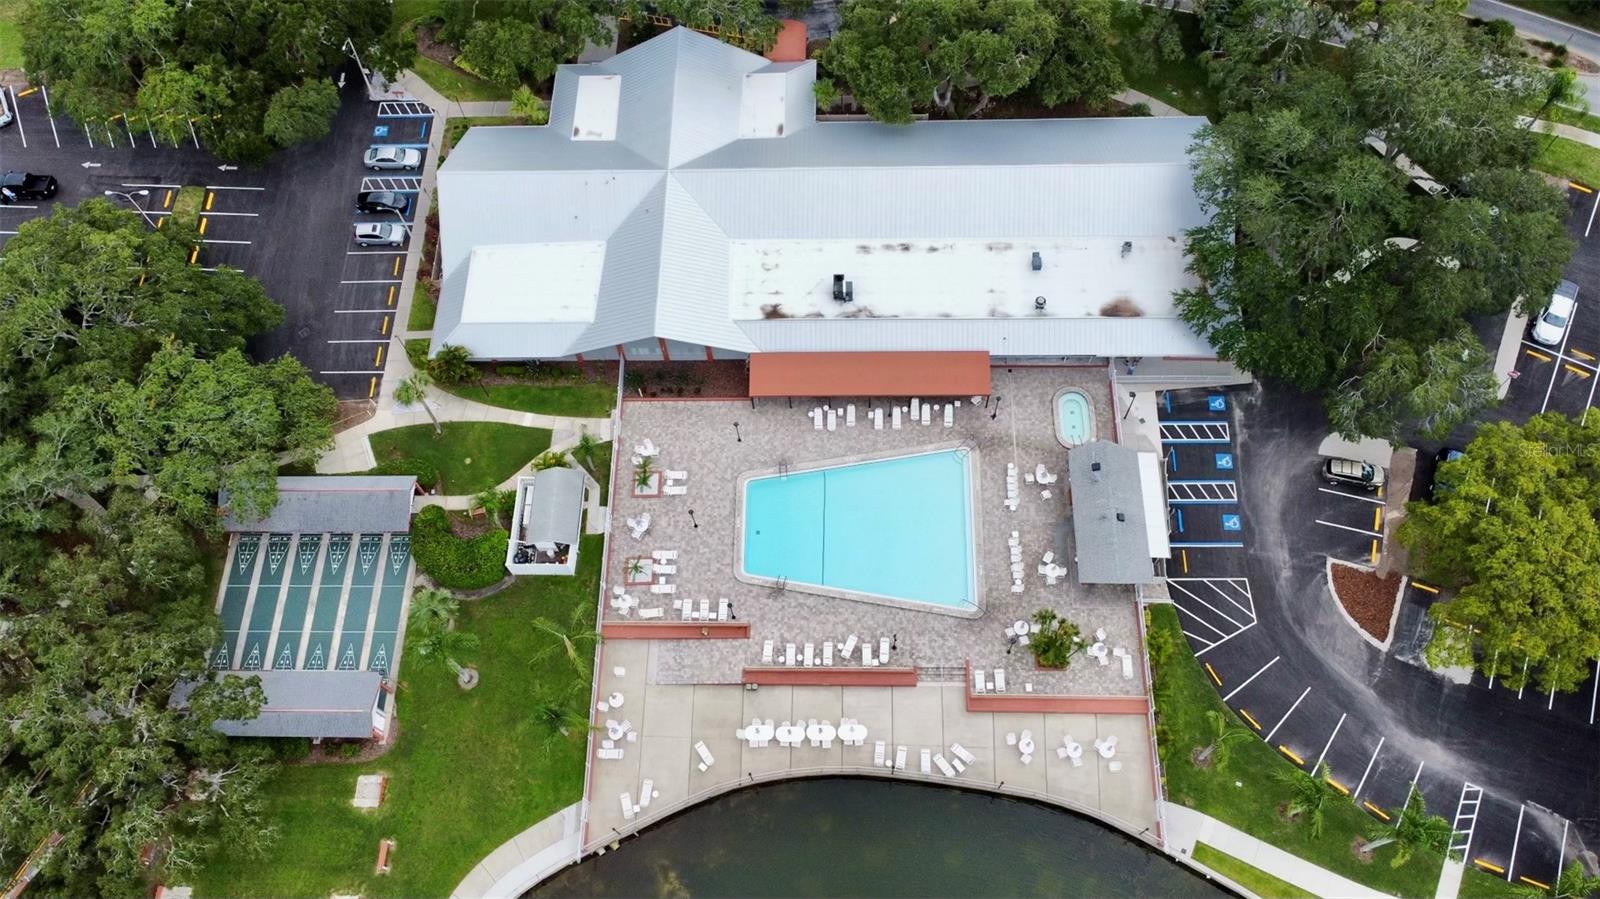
(783, 469)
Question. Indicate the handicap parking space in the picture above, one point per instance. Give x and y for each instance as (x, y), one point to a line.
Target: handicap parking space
(313, 601)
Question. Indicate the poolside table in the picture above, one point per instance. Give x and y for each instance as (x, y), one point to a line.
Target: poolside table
(791, 735)
(757, 733)
(854, 732)
(820, 733)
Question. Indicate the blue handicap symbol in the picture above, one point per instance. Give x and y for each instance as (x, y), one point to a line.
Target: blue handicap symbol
(1225, 461)
(380, 130)
(1216, 402)
(1231, 523)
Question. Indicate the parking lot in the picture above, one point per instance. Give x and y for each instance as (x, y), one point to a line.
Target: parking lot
(289, 223)
(1252, 522)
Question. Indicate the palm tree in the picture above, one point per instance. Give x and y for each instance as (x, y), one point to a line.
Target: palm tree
(1225, 731)
(558, 712)
(1574, 883)
(1560, 86)
(1308, 795)
(550, 459)
(442, 647)
(585, 448)
(1413, 830)
(578, 630)
(433, 609)
(414, 390)
(643, 472)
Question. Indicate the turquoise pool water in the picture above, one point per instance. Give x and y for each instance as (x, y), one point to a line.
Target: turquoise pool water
(1074, 418)
(898, 528)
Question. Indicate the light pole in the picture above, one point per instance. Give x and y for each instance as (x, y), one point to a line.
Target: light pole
(134, 203)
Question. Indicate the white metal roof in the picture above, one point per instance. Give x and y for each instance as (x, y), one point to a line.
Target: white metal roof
(594, 113)
(698, 195)
(533, 282)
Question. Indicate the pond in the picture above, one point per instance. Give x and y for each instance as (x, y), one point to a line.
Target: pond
(867, 837)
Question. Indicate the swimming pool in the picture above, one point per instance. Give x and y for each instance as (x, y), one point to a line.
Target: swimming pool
(897, 529)
(1074, 418)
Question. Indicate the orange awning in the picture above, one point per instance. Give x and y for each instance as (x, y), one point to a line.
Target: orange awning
(959, 373)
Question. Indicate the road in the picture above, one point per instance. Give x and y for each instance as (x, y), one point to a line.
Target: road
(1578, 40)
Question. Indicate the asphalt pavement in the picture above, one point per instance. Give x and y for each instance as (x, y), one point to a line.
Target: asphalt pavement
(288, 223)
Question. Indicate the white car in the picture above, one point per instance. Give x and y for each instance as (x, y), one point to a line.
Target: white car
(1551, 325)
(388, 156)
(382, 234)
(5, 111)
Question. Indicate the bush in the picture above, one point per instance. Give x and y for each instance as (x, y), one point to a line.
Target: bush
(1140, 109)
(349, 750)
(1057, 642)
(452, 365)
(423, 470)
(451, 562)
(290, 749)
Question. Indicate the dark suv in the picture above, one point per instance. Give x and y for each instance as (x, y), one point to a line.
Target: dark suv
(382, 201)
(16, 186)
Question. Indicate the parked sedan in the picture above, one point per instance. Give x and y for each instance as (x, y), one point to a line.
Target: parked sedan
(388, 156)
(16, 186)
(382, 201)
(382, 234)
(1551, 325)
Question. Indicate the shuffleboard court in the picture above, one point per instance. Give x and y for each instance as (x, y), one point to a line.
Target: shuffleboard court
(358, 605)
(274, 567)
(296, 601)
(391, 597)
(330, 590)
(235, 594)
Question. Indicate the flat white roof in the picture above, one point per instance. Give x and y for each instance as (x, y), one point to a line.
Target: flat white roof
(594, 113)
(762, 104)
(1153, 491)
(533, 282)
(961, 278)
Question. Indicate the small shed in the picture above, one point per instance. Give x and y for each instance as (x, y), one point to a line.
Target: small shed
(322, 705)
(320, 504)
(1112, 543)
(547, 523)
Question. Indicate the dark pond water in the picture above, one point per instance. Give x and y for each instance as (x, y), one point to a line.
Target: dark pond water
(863, 837)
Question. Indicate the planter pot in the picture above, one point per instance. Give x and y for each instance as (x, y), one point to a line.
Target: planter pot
(467, 679)
(651, 489)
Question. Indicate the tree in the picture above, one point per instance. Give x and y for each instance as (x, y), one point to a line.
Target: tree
(526, 103)
(955, 56)
(496, 503)
(515, 41)
(1225, 732)
(452, 365)
(1057, 641)
(550, 459)
(1432, 389)
(579, 631)
(1414, 830)
(560, 712)
(1516, 536)
(217, 63)
(302, 112)
(585, 449)
(433, 609)
(433, 637)
(746, 21)
(1308, 795)
(1573, 883)
(413, 390)
(1081, 65)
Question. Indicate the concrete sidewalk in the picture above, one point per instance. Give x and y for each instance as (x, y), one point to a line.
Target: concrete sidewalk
(447, 107)
(1158, 108)
(1186, 827)
(1570, 132)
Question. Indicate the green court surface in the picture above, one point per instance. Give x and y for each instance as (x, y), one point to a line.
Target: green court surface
(319, 601)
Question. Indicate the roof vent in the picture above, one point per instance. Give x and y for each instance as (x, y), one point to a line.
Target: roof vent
(1038, 261)
(1094, 466)
(1038, 304)
(849, 291)
(1127, 247)
(1121, 517)
(838, 288)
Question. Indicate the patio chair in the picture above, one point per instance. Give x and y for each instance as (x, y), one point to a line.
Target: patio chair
(811, 653)
(849, 646)
(944, 766)
(827, 653)
(900, 751)
(927, 755)
(766, 653)
(877, 753)
(850, 415)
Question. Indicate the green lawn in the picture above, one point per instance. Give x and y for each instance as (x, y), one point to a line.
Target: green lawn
(1247, 875)
(1478, 884)
(470, 771)
(422, 310)
(1566, 116)
(1247, 795)
(1570, 160)
(1181, 83)
(600, 470)
(10, 35)
(470, 456)
(587, 399)
(456, 84)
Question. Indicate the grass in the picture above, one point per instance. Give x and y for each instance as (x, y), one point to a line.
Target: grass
(456, 84)
(601, 470)
(1247, 875)
(470, 456)
(1248, 795)
(1477, 884)
(588, 399)
(186, 205)
(469, 771)
(422, 310)
(10, 34)
(457, 127)
(1181, 83)
(1570, 160)
(1567, 116)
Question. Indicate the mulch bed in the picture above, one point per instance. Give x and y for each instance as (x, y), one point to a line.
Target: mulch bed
(1368, 598)
(466, 526)
(727, 378)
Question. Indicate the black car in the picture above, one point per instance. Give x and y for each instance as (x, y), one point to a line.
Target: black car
(382, 201)
(16, 186)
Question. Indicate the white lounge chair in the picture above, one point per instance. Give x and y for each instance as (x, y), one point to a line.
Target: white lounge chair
(608, 754)
(962, 754)
(866, 655)
(927, 754)
(877, 419)
(811, 655)
(916, 408)
(650, 613)
(900, 751)
(1127, 667)
(944, 766)
(949, 416)
(816, 418)
(660, 568)
(833, 420)
(675, 490)
(647, 448)
(766, 653)
(850, 415)
(647, 792)
(705, 755)
(827, 653)
(627, 806)
(894, 419)
(999, 680)
(688, 609)
(849, 646)
(664, 555)
(883, 650)
(672, 474)
(722, 609)
(664, 588)
(877, 753)
(927, 414)
(977, 680)
(788, 654)
(705, 610)
(960, 768)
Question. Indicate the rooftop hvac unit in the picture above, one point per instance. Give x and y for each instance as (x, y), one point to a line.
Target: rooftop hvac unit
(838, 288)
(1038, 261)
(849, 291)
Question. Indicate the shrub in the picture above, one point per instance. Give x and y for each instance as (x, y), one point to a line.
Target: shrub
(290, 749)
(452, 365)
(1057, 642)
(349, 750)
(550, 459)
(451, 562)
(1140, 109)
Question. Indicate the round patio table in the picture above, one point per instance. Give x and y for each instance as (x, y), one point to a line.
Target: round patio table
(853, 732)
(615, 700)
(1074, 750)
(1025, 746)
(793, 733)
(820, 732)
(758, 733)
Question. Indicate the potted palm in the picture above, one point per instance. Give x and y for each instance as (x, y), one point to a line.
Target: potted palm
(1057, 641)
(646, 480)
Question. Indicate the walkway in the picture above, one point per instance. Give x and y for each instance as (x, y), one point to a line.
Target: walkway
(1570, 132)
(447, 107)
(526, 858)
(1131, 96)
(1185, 827)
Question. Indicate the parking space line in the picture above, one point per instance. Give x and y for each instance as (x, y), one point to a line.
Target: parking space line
(18, 206)
(374, 281)
(1287, 714)
(1364, 499)
(237, 214)
(1461, 815)
(1252, 677)
(1290, 753)
(1345, 527)
(355, 311)
(1375, 810)
(376, 253)
(1324, 753)
(1561, 857)
(1417, 776)
(1511, 863)
(1250, 718)
(1369, 767)
(244, 243)
(373, 340)
(50, 115)
(1207, 546)
(1595, 694)
(16, 113)
(1590, 403)
(149, 184)
(363, 372)
(1560, 351)
(1213, 608)
(231, 187)
(1591, 216)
